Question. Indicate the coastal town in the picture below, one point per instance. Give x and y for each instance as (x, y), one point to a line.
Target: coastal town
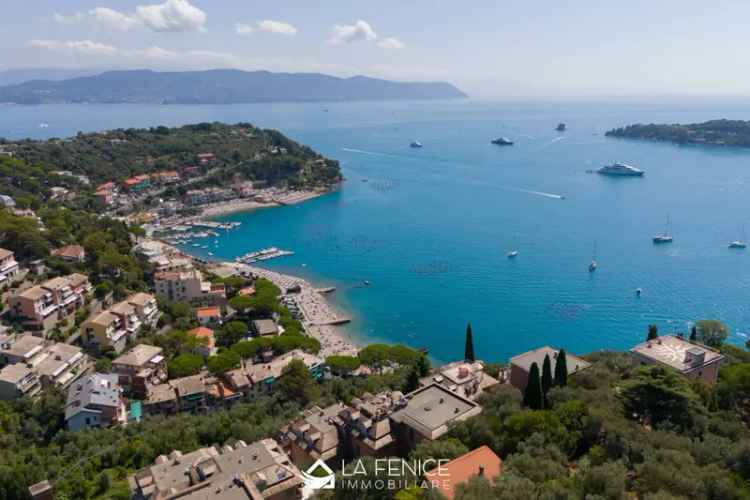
(156, 374)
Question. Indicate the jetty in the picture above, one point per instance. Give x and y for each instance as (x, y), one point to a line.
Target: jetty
(263, 254)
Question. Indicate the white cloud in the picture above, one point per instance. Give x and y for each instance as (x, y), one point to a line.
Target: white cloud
(169, 16)
(71, 19)
(74, 47)
(349, 33)
(112, 19)
(243, 29)
(391, 43)
(172, 15)
(278, 27)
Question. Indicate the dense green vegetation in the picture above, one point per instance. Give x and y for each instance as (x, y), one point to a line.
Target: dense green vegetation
(718, 132)
(240, 150)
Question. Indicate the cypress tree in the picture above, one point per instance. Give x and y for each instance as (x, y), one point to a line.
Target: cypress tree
(423, 366)
(469, 347)
(561, 369)
(694, 334)
(546, 374)
(653, 332)
(532, 396)
(412, 381)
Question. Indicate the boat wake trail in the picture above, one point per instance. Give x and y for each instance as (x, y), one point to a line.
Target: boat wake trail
(537, 193)
(371, 153)
(550, 143)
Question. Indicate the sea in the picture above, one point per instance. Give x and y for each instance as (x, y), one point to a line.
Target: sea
(416, 240)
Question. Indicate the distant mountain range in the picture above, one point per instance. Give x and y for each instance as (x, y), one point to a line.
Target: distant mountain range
(222, 86)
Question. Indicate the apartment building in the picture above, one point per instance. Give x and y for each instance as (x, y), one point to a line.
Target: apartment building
(18, 381)
(674, 352)
(189, 285)
(43, 306)
(259, 471)
(141, 368)
(9, 268)
(112, 328)
(95, 401)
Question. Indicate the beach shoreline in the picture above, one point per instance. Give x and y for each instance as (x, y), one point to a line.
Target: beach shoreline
(320, 317)
(245, 205)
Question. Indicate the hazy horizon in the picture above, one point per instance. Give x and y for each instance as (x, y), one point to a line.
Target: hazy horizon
(508, 50)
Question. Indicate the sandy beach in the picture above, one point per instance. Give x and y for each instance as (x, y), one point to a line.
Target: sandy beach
(319, 316)
(244, 205)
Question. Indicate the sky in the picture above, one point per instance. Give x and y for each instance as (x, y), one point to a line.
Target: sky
(488, 48)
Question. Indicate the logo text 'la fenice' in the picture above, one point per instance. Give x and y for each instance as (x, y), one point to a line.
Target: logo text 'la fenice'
(383, 474)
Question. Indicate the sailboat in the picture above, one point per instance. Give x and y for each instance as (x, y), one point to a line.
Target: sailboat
(513, 253)
(593, 265)
(740, 244)
(665, 237)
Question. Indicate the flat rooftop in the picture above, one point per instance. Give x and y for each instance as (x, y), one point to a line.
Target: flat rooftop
(525, 360)
(432, 407)
(674, 351)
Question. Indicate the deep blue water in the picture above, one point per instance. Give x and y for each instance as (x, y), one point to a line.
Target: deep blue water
(430, 228)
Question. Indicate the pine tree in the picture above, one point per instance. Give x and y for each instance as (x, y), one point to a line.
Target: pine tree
(469, 347)
(532, 396)
(653, 332)
(561, 369)
(412, 381)
(546, 374)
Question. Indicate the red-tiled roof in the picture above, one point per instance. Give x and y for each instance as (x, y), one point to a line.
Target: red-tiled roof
(208, 312)
(463, 468)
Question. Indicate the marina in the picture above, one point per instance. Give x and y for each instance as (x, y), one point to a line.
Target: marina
(263, 254)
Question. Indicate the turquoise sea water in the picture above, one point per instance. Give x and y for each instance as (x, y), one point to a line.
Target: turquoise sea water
(430, 227)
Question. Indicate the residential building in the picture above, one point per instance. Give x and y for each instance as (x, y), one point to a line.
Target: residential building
(18, 381)
(521, 364)
(367, 425)
(190, 286)
(259, 471)
(106, 193)
(61, 365)
(688, 358)
(264, 375)
(209, 348)
(112, 328)
(210, 315)
(42, 490)
(482, 462)
(314, 436)
(95, 401)
(465, 378)
(195, 393)
(42, 306)
(105, 330)
(166, 177)
(70, 253)
(146, 308)
(8, 267)
(203, 196)
(140, 368)
(53, 363)
(206, 157)
(428, 413)
(137, 183)
(265, 328)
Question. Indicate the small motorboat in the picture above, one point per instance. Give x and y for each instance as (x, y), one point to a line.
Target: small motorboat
(638, 292)
(592, 266)
(416, 144)
(513, 254)
(560, 127)
(502, 141)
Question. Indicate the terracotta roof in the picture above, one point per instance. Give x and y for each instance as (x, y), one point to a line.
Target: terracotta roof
(140, 298)
(208, 312)
(202, 331)
(5, 253)
(461, 469)
(248, 290)
(69, 251)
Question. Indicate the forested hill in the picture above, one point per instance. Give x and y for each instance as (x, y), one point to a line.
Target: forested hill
(239, 150)
(220, 87)
(715, 132)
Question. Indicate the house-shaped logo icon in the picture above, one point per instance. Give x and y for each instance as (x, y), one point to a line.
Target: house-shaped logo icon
(319, 477)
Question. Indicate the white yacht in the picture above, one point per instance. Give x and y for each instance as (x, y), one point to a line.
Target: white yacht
(416, 144)
(621, 169)
(513, 254)
(740, 244)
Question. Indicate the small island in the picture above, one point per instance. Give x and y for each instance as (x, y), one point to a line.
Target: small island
(713, 132)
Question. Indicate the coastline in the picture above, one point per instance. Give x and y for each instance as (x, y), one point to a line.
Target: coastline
(319, 317)
(245, 205)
